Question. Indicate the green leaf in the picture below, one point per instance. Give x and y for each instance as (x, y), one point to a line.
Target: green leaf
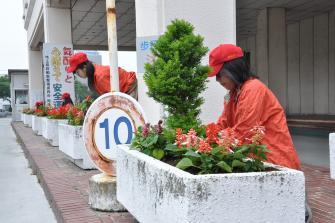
(242, 149)
(193, 154)
(237, 163)
(158, 153)
(149, 141)
(224, 166)
(217, 150)
(184, 163)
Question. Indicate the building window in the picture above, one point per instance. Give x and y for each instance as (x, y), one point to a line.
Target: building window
(21, 97)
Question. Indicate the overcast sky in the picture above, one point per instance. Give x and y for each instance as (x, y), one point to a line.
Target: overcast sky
(13, 41)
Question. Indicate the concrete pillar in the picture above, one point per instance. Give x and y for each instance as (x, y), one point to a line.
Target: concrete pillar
(57, 25)
(35, 76)
(215, 20)
(272, 52)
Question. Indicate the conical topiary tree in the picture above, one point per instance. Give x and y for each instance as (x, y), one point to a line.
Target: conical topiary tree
(176, 78)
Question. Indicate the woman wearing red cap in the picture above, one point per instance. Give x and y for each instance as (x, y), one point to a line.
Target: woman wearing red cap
(99, 77)
(250, 103)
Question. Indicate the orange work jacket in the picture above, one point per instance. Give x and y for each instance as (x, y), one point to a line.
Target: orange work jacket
(255, 105)
(102, 79)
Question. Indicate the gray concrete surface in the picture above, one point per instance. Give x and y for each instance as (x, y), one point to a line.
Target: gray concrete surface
(312, 149)
(21, 197)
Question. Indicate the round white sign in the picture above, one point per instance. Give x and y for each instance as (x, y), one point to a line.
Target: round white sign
(110, 121)
(112, 128)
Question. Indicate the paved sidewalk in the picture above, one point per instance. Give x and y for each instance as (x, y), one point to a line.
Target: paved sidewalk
(66, 186)
(22, 198)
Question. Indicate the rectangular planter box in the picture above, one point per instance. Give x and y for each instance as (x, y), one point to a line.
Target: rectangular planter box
(153, 191)
(332, 155)
(27, 120)
(52, 130)
(21, 117)
(44, 127)
(72, 144)
(37, 124)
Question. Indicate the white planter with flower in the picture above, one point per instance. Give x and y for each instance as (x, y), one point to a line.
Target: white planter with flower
(44, 126)
(37, 124)
(71, 143)
(27, 120)
(332, 154)
(52, 130)
(153, 191)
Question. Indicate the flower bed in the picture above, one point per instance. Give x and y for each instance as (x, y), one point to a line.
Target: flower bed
(153, 191)
(71, 143)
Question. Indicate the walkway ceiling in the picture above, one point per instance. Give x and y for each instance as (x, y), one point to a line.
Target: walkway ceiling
(89, 24)
(297, 10)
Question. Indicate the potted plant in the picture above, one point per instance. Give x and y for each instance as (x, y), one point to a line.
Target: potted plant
(40, 111)
(189, 172)
(70, 135)
(27, 116)
(55, 117)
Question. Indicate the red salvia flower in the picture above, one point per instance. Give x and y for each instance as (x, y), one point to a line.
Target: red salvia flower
(65, 95)
(204, 147)
(212, 132)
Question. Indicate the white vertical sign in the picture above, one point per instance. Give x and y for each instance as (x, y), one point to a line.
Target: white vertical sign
(56, 79)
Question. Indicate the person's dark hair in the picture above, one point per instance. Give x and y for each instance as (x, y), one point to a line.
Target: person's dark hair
(90, 74)
(66, 101)
(238, 70)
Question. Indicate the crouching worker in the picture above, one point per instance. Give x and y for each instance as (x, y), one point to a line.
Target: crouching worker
(98, 76)
(250, 103)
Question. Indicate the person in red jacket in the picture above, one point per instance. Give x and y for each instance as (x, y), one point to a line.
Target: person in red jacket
(99, 77)
(250, 103)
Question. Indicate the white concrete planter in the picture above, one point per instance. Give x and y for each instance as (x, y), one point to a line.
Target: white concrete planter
(21, 117)
(72, 144)
(27, 120)
(153, 191)
(332, 155)
(44, 126)
(37, 124)
(52, 130)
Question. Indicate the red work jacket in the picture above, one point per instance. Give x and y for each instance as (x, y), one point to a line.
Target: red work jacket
(102, 79)
(255, 105)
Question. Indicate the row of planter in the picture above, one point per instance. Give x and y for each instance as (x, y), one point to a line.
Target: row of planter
(59, 133)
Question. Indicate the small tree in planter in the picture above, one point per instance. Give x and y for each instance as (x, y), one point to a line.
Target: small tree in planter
(176, 78)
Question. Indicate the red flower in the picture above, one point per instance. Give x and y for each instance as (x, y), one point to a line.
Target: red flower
(38, 104)
(258, 133)
(192, 139)
(204, 147)
(227, 139)
(180, 137)
(212, 132)
(65, 95)
(145, 131)
(80, 115)
(88, 98)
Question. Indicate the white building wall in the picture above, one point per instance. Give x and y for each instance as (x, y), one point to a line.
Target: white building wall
(310, 65)
(213, 19)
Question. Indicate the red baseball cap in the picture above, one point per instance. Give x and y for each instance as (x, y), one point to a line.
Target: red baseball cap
(75, 60)
(221, 54)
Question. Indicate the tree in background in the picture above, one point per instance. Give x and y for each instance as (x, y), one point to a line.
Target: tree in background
(4, 86)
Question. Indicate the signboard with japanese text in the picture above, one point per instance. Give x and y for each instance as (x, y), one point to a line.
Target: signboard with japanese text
(144, 55)
(56, 79)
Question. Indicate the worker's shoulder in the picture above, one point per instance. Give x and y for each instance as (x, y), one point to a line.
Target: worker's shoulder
(254, 84)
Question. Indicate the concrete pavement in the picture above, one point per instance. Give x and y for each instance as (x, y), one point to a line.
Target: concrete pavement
(21, 196)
